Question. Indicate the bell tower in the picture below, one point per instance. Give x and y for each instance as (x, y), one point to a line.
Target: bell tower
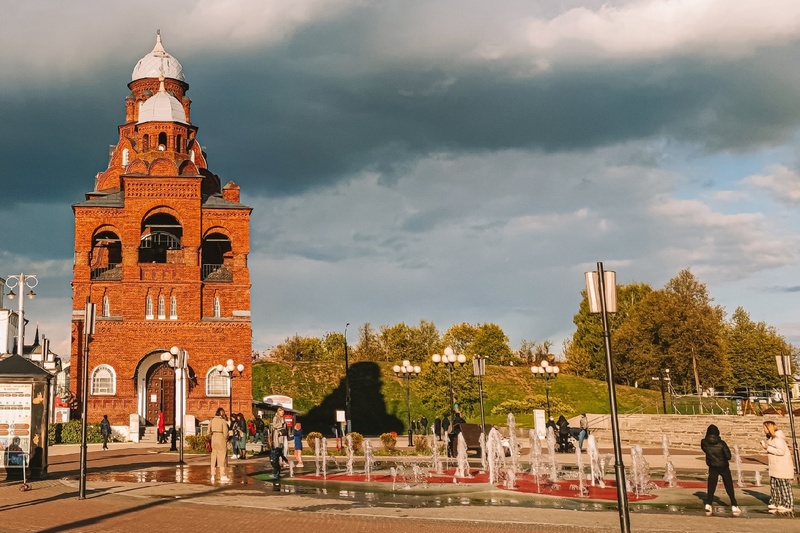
(161, 249)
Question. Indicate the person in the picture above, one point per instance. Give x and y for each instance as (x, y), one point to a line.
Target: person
(105, 431)
(278, 428)
(234, 428)
(219, 429)
(584, 423)
(452, 444)
(162, 438)
(781, 469)
(718, 457)
(563, 434)
(445, 424)
(261, 434)
(437, 427)
(551, 424)
(424, 422)
(241, 427)
(298, 444)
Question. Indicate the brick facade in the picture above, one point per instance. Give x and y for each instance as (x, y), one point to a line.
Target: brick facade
(161, 249)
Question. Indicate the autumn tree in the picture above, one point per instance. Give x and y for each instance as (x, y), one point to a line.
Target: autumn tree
(752, 347)
(299, 348)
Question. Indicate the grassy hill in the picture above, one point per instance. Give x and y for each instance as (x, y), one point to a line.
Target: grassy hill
(377, 395)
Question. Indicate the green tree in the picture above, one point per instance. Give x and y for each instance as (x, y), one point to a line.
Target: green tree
(490, 342)
(299, 348)
(525, 352)
(333, 346)
(588, 336)
(752, 347)
(577, 358)
(369, 346)
(459, 337)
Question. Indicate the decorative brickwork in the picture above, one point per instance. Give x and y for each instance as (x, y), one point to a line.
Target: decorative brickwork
(165, 220)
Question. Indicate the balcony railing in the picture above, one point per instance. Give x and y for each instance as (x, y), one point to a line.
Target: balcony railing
(112, 272)
(217, 273)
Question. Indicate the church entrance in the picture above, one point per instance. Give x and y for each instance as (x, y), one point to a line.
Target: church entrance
(160, 394)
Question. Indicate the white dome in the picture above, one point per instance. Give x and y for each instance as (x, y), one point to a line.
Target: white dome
(158, 63)
(162, 107)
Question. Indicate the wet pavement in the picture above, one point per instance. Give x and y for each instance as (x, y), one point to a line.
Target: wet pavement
(133, 487)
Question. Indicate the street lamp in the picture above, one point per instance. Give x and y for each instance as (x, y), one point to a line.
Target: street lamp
(227, 371)
(601, 292)
(785, 369)
(22, 281)
(449, 359)
(546, 371)
(178, 359)
(479, 370)
(407, 371)
(346, 384)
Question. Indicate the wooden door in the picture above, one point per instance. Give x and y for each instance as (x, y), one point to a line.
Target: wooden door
(161, 394)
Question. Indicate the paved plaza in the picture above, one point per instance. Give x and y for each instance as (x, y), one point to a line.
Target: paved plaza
(134, 487)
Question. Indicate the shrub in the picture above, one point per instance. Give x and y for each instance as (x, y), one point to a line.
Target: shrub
(358, 442)
(197, 443)
(421, 444)
(70, 433)
(389, 441)
(311, 439)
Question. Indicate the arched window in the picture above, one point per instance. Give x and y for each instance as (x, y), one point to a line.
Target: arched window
(106, 257)
(126, 157)
(148, 308)
(179, 144)
(162, 141)
(217, 307)
(161, 234)
(217, 385)
(145, 143)
(173, 308)
(106, 306)
(216, 256)
(162, 313)
(104, 381)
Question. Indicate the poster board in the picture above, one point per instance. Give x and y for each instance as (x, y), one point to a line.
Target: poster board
(539, 423)
(15, 421)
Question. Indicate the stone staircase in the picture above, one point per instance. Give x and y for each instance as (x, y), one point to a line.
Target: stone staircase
(683, 431)
(150, 436)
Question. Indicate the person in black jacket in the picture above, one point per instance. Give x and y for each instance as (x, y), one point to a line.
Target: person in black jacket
(718, 457)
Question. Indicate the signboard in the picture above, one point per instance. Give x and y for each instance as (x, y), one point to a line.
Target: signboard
(278, 399)
(15, 416)
(154, 398)
(340, 416)
(539, 423)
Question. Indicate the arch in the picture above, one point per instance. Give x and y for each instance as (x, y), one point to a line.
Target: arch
(103, 381)
(145, 142)
(216, 256)
(148, 308)
(218, 385)
(126, 156)
(106, 311)
(163, 167)
(161, 235)
(106, 255)
(162, 141)
(217, 307)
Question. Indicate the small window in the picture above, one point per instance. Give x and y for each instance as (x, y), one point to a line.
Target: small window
(106, 306)
(104, 381)
(145, 143)
(173, 308)
(148, 308)
(162, 314)
(126, 157)
(217, 310)
(217, 384)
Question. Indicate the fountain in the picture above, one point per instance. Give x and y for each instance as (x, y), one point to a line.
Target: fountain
(324, 458)
(551, 450)
(512, 441)
(511, 478)
(581, 487)
(594, 462)
(495, 455)
(639, 483)
(482, 444)
(536, 455)
(757, 481)
(350, 454)
(368, 460)
(737, 460)
(393, 474)
(462, 468)
(669, 469)
(435, 458)
(316, 455)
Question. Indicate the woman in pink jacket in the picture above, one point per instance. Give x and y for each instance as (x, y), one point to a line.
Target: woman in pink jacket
(781, 469)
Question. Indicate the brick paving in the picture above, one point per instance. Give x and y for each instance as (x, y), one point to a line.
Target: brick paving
(154, 496)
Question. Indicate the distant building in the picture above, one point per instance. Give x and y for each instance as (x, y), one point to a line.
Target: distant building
(161, 249)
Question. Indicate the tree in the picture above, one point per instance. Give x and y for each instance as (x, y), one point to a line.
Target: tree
(396, 342)
(333, 344)
(299, 348)
(369, 347)
(526, 352)
(491, 342)
(752, 348)
(577, 358)
(589, 334)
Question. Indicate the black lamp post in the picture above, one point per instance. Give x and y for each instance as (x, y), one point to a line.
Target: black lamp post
(449, 359)
(601, 291)
(178, 359)
(407, 371)
(546, 371)
(785, 369)
(346, 384)
(227, 371)
(662, 379)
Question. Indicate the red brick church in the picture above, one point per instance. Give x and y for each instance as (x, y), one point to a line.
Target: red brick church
(161, 249)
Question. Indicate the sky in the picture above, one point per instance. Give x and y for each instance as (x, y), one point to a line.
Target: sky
(451, 161)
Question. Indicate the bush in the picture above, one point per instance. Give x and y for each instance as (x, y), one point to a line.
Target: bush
(197, 443)
(358, 442)
(421, 444)
(311, 440)
(389, 441)
(70, 433)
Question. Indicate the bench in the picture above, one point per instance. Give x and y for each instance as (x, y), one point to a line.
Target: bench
(472, 435)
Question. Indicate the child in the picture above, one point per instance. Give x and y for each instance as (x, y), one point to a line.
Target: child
(718, 456)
